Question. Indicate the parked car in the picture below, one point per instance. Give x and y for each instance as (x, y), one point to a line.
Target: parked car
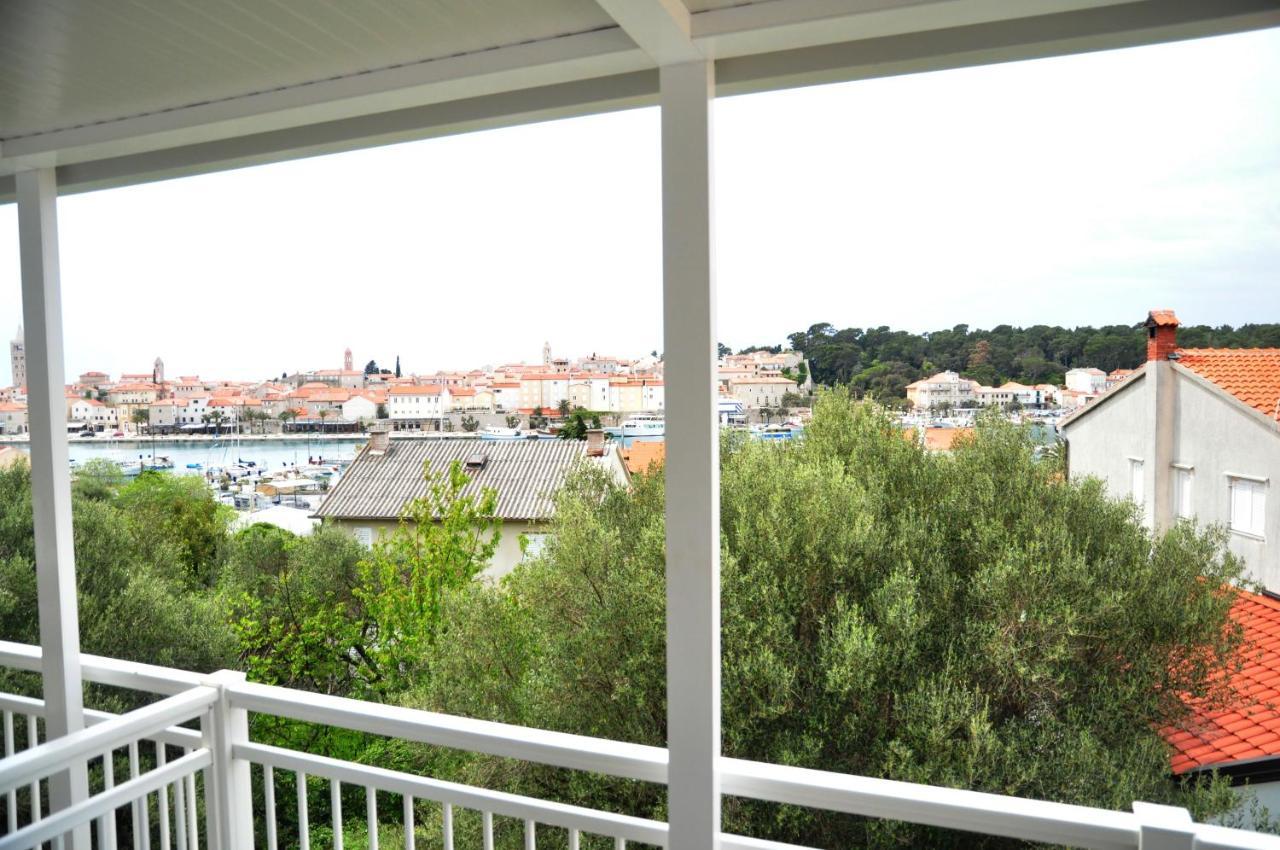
(85, 434)
(118, 434)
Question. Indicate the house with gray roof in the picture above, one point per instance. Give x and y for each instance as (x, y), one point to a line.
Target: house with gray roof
(388, 474)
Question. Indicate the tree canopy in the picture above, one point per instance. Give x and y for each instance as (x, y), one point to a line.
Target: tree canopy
(882, 361)
(968, 620)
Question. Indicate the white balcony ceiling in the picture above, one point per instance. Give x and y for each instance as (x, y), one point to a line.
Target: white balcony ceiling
(113, 93)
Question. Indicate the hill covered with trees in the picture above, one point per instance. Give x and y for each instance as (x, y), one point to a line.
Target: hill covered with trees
(882, 361)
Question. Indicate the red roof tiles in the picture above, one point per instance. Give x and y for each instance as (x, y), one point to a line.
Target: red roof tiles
(1251, 728)
(1250, 374)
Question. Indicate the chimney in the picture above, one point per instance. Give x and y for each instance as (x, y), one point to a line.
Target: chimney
(595, 442)
(379, 438)
(1162, 334)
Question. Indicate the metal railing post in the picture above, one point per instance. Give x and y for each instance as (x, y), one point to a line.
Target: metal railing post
(228, 791)
(1164, 827)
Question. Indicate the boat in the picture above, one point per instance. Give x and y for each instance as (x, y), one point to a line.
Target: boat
(645, 425)
(195, 466)
(492, 432)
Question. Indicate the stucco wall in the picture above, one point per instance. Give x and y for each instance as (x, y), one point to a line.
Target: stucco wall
(505, 558)
(1211, 434)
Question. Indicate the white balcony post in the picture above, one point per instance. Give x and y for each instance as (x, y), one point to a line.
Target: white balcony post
(693, 459)
(51, 478)
(229, 793)
(1164, 827)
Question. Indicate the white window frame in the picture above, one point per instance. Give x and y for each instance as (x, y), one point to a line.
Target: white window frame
(1255, 524)
(1183, 487)
(1137, 481)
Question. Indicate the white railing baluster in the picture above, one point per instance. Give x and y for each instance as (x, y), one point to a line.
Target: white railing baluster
(446, 824)
(335, 805)
(530, 839)
(408, 823)
(488, 830)
(180, 813)
(619, 843)
(135, 808)
(193, 826)
(11, 798)
(162, 800)
(304, 828)
(371, 810)
(107, 824)
(33, 740)
(573, 839)
(269, 798)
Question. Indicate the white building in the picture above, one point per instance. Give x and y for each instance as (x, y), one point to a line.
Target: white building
(943, 389)
(410, 407)
(1086, 380)
(1194, 434)
(359, 408)
(761, 390)
(13, 417)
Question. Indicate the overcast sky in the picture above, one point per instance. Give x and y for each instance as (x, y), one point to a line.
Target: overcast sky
(1081, 190)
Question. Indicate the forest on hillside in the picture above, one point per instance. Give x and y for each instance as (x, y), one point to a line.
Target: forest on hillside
(881, 361)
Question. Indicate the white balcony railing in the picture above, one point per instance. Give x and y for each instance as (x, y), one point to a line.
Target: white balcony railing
(221, 751)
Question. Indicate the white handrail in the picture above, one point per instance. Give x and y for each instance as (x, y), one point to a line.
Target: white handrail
(579, 752)
(100, 670)
(931, 805)
(175, 735)
(63, 821)
(33, 764)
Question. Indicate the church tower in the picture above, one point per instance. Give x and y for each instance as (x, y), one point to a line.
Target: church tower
(346, 360)
(157, 372)
(18, 359)
(546, 354)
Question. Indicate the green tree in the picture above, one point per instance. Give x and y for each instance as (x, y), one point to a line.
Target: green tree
(177, 515)
(967, 620)
(371, 368)
(287, 416)
(470, 424)
(444, 540)
(564, 408)
(513, 421)
(382, 411)
(537, 419)
(139, 417)
(397, 365)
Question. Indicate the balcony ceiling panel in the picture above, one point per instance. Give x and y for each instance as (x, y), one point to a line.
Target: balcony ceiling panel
(72, 63)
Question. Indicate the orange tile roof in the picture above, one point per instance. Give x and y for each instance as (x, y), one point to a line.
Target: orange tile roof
(1162, 318)
(423, 389)
(641, 456)
(1250, 374)
(1249, 729)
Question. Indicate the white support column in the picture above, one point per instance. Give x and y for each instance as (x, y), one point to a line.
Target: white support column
(693, 459)
(51, 477)
(228, 793)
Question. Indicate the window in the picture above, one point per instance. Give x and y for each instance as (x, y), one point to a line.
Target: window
(1182, 492)
(364, 536)
(534, 544)
(1136, 480)
(1248, 501)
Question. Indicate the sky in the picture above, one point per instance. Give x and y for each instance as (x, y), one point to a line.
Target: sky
(1081, 190)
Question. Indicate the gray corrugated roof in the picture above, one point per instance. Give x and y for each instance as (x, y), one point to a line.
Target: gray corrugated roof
(526, 474)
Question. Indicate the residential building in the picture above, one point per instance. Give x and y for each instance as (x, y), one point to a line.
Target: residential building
(506, 395)
(360, 407)
(1193, 434)
(413, 407)
(13, 417)
(1089, 381)
(945, 389)
(761, 390)
(1010, 394)
(526, 474)
(94, 380)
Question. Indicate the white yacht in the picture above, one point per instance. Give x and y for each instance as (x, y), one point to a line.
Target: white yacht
(492, 432)
(645, 425)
